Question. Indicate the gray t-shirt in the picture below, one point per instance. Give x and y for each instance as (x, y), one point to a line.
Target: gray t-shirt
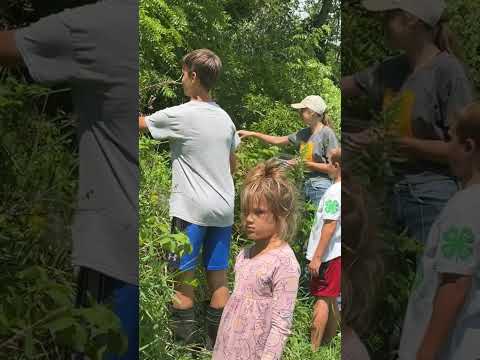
(419, 104)
(453, 247)
(89, 48)
(315, 147)
(202, 136)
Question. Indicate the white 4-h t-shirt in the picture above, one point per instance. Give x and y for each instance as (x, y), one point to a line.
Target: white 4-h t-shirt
(202, 136)
(453, 247)
(329, 208)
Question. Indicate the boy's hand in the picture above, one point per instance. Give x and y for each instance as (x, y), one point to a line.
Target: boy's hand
(314, 267)
(245, 133)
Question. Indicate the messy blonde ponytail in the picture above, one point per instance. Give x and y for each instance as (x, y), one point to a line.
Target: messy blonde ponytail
(270, 182)
(362, 266)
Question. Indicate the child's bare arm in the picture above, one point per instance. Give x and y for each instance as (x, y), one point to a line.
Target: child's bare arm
(328, 229)
(318, 167)
(142, 124)
(9, 54)
(274, 140)
(233, 163)
(433, 150)
(448, 302)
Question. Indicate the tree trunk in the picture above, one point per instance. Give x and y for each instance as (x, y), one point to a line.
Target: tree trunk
(320, 19)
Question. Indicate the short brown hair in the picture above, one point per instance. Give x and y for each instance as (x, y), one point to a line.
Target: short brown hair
(269, 181)
(206, 64)
(467, 124)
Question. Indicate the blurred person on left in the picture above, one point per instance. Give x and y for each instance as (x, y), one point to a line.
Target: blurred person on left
(87, 48)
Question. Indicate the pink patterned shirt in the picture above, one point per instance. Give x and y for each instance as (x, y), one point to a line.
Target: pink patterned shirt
(257, 319)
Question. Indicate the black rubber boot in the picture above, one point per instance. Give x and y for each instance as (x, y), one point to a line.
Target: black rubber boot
(212, 319)
(183, 325)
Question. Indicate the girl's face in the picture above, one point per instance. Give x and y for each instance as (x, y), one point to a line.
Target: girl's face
(399, 28)
(260, 223)
(307, 115)
(461, 156)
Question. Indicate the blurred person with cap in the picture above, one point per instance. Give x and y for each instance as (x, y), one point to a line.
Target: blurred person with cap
(417, 91)
(315, 142)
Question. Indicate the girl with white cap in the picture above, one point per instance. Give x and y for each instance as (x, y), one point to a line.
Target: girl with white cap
(420, 90)
(315, 142)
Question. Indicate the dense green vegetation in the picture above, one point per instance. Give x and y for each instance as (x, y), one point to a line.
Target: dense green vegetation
(274, 53)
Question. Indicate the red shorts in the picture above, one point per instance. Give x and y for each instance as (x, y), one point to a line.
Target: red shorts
(329, 282)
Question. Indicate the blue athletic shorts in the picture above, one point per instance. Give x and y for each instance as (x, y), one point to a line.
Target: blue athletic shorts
(123, 298)
(214, 241)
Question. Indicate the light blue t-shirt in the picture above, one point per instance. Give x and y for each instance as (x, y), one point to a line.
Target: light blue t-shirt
(202, 136)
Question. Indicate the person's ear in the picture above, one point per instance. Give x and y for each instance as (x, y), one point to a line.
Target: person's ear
(193, 76)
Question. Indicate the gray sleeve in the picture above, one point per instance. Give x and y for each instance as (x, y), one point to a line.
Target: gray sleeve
(456, 95)
(367, 80)
(298, 137)
(46, 48)
(162, 125)
(293, 139)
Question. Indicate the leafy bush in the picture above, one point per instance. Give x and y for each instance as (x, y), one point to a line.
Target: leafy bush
(38, 166)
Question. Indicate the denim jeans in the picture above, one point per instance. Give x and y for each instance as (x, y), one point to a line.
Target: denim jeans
(315, 187)
(417, 202)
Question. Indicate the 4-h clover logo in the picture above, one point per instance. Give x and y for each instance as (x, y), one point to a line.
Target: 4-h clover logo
(457, 243)
(331, 206)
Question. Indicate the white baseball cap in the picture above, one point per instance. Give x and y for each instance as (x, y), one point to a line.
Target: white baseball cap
(313, 102)
(430, 11)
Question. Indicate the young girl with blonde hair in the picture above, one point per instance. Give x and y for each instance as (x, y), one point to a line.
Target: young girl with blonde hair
(257, 319)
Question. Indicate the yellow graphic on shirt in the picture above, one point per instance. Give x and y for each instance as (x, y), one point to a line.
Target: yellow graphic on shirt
(306, 151)
(397, 110)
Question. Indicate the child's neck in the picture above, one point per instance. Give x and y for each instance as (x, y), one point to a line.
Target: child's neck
(422, 54)
(337, 179)
(316, 126)
(201, 95)
(262, 246)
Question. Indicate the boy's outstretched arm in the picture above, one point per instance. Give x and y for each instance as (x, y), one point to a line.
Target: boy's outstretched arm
(448, 302)
(9, 54)
(274, 140)
(328, 229)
